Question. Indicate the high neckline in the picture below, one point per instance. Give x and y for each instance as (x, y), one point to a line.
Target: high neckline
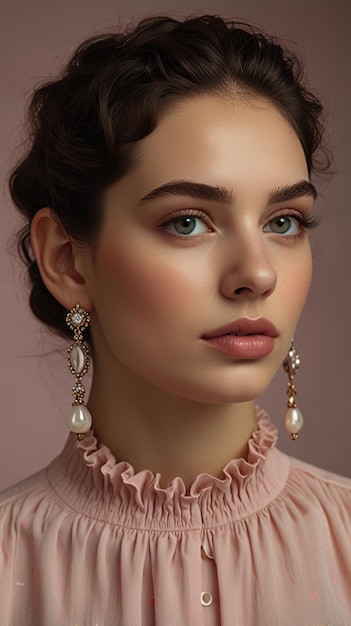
(88, 478)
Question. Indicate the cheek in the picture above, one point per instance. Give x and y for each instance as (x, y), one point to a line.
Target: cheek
(296, 284)
(304, 276)
(147, 306)
(139, 282)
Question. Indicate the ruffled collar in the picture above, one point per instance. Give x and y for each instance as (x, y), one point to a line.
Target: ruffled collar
(87, 477)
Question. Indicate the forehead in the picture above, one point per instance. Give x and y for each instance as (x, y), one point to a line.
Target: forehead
(214, 124)
(228, 142)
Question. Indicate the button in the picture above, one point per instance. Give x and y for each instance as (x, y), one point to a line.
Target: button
(206, 598)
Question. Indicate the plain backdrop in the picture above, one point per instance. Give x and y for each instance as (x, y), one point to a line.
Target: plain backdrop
(36, 38)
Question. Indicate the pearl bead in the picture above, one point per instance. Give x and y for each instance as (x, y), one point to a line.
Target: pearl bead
(293, 420)
(77, 359)
(79, 419)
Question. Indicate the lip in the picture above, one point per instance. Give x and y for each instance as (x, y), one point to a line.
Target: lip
(244, 326)
(244, 338)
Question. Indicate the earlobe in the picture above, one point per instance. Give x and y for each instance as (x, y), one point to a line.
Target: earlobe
(54, 254)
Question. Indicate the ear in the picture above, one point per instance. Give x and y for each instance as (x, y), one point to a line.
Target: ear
(55, 255)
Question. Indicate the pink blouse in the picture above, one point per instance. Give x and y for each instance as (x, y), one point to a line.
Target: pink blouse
(87, 542)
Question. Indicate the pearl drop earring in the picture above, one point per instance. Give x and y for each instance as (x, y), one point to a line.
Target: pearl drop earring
(79, 418)
(293, 420)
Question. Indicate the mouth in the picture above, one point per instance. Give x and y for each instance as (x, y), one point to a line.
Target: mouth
(243, 339)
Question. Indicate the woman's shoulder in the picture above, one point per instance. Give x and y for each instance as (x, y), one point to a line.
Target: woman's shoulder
(322, 476)
(24, 492)
(35, 488)
(316, 485)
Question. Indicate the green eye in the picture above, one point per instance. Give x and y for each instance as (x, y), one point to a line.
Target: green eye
(186, 225)
(283, 225)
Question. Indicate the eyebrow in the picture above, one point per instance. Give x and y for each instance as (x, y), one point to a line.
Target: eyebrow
(212, 193)
(215, 193)
(290, 192)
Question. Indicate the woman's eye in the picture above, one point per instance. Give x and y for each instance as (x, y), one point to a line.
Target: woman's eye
(283, 225)
(186, 225)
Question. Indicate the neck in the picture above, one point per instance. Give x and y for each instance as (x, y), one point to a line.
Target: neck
(166, 434)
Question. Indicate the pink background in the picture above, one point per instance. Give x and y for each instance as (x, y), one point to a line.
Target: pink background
(36, 38)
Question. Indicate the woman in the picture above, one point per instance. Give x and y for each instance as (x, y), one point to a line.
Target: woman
(168, 197)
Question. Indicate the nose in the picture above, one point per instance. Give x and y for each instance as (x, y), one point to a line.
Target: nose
(248, 270)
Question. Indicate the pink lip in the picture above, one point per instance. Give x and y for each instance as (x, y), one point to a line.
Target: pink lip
(244, 338)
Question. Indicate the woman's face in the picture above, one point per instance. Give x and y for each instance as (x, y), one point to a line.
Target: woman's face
(205, 231)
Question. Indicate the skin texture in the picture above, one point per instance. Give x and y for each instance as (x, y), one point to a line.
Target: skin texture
(162, 398)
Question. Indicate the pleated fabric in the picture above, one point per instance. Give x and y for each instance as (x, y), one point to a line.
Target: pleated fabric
(89, 542)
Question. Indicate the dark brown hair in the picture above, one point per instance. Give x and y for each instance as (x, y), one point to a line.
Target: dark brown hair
(83, 125)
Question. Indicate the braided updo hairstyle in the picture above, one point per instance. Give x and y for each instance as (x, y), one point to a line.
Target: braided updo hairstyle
(82, 126)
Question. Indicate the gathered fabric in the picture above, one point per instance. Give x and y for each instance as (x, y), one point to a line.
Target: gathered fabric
(89, 542)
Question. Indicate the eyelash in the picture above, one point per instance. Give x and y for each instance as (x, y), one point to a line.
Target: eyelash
(306, 222)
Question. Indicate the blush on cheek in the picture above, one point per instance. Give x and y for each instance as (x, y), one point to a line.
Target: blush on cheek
(305, 274)
(297, 287)
(143, 282)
